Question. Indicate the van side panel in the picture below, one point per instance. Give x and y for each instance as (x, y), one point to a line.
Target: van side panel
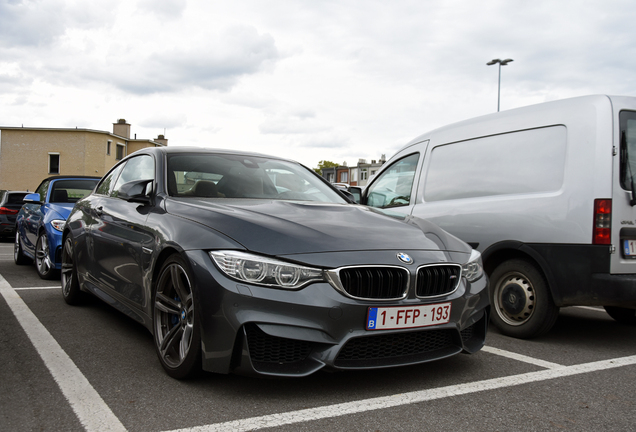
(551, 223)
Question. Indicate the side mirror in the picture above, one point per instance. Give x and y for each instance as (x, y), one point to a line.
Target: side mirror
(135, 191)
(32, 198)
(356, 192)
(349, 195)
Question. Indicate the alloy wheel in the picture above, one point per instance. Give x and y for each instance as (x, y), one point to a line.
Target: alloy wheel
(42, 257)
(174, 315)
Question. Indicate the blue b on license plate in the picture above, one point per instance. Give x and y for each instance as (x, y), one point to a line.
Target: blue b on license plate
(399, 317)
(629, 248)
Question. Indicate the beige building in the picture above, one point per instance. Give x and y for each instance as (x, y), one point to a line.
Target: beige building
(28, 155)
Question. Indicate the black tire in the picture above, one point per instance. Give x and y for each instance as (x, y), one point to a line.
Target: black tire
(70, 282)
(521, 300)
(43, 264)
(175, 324)
(18, 255)
(622, 315)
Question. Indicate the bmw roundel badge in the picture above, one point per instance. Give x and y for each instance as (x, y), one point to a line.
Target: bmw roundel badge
(406, 259)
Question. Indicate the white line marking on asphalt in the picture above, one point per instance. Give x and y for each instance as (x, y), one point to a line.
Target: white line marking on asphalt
(90, 408)
(312, 414)
(38, 288)
(521, 357)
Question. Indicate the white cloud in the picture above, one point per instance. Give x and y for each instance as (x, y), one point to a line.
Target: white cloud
(309, 80)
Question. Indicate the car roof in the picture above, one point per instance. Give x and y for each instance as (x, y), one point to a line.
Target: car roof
(67, 177)
(207, 150)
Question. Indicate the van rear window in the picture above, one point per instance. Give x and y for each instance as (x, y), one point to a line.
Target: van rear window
(527, 161)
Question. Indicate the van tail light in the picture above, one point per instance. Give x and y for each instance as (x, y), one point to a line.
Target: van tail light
(8, 211)
(602, 234)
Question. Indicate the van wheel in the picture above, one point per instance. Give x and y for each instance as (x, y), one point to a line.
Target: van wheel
(522, 303)
(622, 315)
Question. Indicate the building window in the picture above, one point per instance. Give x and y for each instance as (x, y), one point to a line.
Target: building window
(344, 177)
(363, 174)
(54, 163)
(108, 147)
(121, 150)
(330, 177)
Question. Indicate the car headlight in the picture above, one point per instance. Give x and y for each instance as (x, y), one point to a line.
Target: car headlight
(258, 270)
(473, 269)
(58, 224)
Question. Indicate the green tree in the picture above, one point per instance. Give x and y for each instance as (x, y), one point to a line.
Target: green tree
(324, 164)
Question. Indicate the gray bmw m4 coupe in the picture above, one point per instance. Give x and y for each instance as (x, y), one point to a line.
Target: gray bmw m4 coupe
(251, 264)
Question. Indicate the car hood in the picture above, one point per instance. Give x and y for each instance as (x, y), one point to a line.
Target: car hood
(287, 227)
(63, 209)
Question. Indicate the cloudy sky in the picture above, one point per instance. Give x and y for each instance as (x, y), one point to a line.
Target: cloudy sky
(305, 79)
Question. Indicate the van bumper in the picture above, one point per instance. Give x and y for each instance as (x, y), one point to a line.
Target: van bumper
(579, 275)
(612, 290)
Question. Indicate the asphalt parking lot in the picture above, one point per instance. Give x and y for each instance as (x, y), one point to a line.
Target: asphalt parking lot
(92, 368)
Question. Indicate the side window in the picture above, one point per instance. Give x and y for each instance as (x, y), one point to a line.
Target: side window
(107, 184)
(119, 152)
(43, 189)
(54, 163)
(137, 168)
(393, 187)
(628, 149)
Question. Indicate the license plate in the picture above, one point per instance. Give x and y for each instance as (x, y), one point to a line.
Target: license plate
(401, 317)
(629, 248)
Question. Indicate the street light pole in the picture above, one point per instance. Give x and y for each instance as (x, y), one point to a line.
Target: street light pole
(501, 63)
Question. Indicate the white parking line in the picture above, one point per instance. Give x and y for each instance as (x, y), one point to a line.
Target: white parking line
(38, 288)
(275, 420)
(95, 415)
(521, 357)
(90, 408)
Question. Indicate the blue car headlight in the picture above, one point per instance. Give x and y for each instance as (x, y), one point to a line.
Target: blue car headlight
(258, 270)
(58, 224)
(473, 269)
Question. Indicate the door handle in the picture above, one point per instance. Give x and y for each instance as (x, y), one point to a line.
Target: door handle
(99, 210)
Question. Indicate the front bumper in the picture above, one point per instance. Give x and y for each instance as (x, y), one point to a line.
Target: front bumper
(248, 329)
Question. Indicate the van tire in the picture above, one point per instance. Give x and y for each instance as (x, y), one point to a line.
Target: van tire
(521, 300)
(622, 315)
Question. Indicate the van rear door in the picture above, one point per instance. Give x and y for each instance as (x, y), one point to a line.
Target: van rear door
(623, 209)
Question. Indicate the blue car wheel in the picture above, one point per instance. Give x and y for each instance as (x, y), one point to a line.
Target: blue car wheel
(43, 263)
(18, 254)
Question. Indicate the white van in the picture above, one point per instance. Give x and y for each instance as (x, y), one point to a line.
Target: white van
(543, 192)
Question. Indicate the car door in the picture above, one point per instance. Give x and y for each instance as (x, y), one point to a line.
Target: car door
(33, 219)
(121, 242)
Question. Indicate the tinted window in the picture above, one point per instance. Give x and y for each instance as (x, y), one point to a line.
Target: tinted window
(15, 198)
(628, 148)
(519, 162)
(108, 182)
(137, 168)
(393, 187)
(236, 176)
(43, 189)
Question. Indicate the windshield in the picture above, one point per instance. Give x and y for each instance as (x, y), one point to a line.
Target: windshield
(236, 176)
(71, 191)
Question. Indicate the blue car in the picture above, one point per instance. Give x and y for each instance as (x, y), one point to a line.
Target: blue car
(41, 219)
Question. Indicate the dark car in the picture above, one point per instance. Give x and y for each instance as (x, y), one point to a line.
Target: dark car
(252, 264)
(41, 219)
(10, 204)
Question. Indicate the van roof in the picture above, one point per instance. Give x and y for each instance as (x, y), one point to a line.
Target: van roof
(532, 116)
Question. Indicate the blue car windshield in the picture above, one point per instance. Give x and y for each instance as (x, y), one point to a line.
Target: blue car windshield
(70, 191)
(237, 176)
